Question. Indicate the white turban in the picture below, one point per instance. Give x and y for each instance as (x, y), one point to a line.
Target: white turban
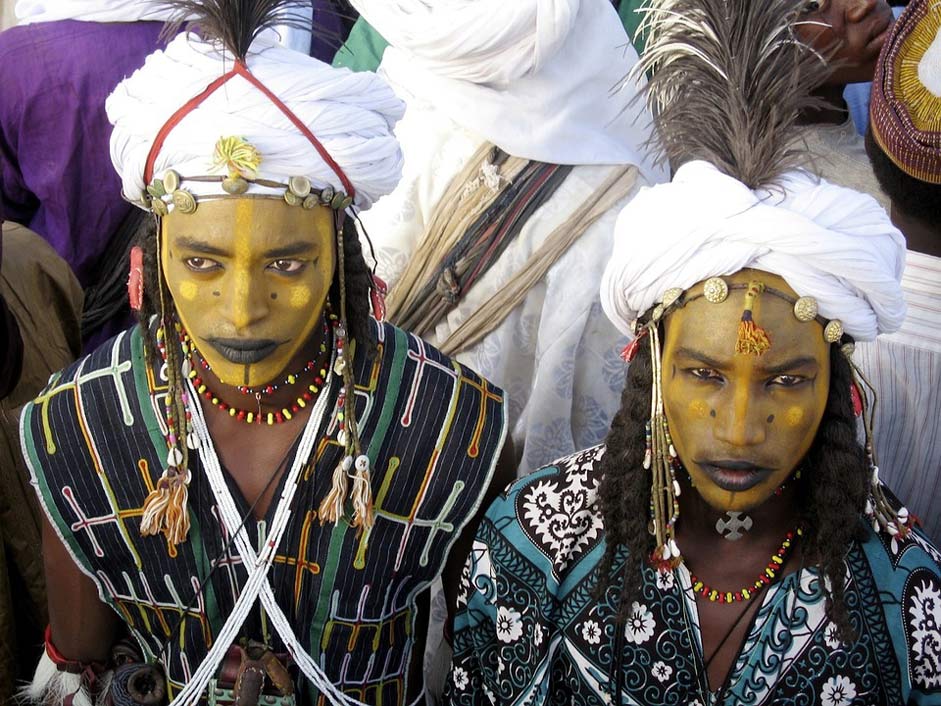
(828, 242)
(351, 114)
(541, 79)
(481, 41)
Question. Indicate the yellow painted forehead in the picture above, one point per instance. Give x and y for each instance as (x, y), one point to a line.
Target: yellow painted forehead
(716, 326)
(248, 226)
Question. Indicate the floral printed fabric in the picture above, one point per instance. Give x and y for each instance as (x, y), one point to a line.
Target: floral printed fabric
(530, 631)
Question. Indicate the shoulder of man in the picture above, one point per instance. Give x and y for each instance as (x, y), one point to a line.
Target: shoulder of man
(907, 588)
(421, 410)
(553, 514)
(97, 386)
(397, 347)
(897, 556)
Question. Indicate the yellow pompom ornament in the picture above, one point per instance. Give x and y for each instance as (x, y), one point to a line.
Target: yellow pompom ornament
(237, 156)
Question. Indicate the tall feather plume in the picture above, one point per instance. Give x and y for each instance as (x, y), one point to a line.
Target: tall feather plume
(236, 23)
(728, 81)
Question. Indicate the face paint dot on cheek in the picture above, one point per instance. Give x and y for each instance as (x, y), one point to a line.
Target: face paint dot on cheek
(770, 418)
(794, 416)
(274, 295)
(189, 290)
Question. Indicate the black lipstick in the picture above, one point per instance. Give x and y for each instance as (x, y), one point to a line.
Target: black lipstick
(243, 351)
(733, 475)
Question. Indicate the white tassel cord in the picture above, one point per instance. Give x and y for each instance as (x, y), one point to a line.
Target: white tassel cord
(257, 585)
(50, 687)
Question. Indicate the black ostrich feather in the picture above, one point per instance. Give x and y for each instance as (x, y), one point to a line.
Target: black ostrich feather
(237, 23)
(729, 79)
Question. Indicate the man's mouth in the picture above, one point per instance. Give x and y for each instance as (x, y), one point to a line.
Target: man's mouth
(243, 351)
(734, 476)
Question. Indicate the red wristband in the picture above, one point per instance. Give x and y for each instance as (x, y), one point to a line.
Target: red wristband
(64, 664)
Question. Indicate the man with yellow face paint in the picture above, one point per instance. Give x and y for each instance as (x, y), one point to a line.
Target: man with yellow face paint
(259, 484)
(731, 542)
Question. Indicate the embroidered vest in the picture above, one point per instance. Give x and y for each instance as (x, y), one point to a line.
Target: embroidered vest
(432, 429)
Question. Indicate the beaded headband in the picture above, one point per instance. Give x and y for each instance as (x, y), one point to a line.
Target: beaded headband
(716, 290)
(242, 161)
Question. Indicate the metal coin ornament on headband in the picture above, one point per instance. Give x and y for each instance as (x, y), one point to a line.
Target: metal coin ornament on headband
(715, 290)
(833, 331)
(805, 309)
(752, 338)
(241, 160)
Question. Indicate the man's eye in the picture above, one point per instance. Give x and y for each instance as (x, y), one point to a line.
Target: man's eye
(812, 6)
(287, 266)
(201, 264)
(705, 374)
(788, 380)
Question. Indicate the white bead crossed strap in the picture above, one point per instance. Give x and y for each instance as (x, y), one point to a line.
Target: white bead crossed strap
(257, 586)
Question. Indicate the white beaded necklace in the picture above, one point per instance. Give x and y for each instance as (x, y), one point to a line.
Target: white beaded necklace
(257, 587)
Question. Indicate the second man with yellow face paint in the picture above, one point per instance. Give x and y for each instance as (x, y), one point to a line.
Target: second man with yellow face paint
(286, 473)
(731, 542)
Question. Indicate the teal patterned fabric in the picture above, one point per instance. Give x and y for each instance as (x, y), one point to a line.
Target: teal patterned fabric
(530, 631)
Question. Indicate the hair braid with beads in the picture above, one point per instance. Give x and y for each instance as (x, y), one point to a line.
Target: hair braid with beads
(832, 490)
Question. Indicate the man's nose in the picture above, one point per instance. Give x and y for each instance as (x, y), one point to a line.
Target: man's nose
(739, 422)
(247, 301)
(857, 10)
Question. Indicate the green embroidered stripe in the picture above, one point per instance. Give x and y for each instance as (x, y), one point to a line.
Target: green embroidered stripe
(337, 536)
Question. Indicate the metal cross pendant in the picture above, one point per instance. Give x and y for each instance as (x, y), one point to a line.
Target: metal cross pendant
(735, 527)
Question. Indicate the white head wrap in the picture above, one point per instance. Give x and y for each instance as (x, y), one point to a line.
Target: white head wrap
(832, 243)
(351, 114)
(538, 78)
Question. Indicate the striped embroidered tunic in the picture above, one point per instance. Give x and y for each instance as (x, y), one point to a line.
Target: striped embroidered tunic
(433, 431)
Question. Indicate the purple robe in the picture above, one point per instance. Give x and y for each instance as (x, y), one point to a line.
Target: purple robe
(55, 164)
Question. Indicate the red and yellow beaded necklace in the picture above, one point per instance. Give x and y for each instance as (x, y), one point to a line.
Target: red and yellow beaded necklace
(764, 578)
(318, 364)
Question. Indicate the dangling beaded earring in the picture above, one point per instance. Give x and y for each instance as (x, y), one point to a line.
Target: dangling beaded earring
(355, 464)
(879, 510)
(661, 460)
(165, 508)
